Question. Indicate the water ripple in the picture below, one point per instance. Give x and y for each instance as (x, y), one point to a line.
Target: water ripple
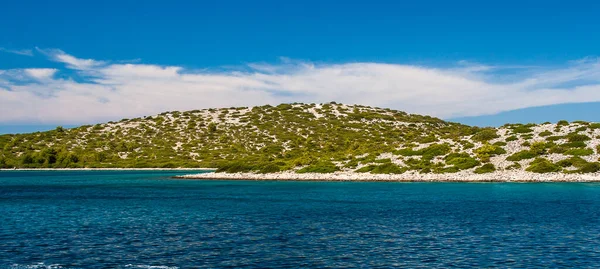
(117, 222)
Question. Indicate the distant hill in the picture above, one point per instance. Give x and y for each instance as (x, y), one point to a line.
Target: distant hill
(319, 138)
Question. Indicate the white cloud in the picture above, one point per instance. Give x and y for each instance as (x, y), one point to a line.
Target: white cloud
(111, 91)
(40, 73)
(24, 52)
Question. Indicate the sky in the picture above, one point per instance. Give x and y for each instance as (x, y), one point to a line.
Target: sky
(483, 63)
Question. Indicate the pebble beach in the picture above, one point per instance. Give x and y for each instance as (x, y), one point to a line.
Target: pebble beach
(465, 176)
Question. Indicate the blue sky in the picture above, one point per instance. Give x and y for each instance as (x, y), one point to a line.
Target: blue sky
(78, 62)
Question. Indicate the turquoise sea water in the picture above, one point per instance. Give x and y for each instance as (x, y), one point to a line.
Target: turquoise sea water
(135, 219)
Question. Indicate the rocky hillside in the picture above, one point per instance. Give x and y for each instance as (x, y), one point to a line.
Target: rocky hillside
(315, 138)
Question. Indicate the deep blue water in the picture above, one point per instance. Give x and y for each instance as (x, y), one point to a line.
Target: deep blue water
(145, 219)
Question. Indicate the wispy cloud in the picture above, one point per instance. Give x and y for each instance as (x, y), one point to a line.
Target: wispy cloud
(112, 89)
(71, 61)
(24, 52)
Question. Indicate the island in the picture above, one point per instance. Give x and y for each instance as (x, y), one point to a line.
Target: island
(328, 141)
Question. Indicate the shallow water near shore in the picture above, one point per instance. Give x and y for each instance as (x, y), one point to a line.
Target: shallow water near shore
(145, 219)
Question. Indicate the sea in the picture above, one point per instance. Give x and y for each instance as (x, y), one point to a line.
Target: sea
(147, 219)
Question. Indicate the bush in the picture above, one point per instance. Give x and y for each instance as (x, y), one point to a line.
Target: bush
(580, 152)
(589, 168)
(545, 133)
(461, 161)
(575, 137)
(540, 148)
(572, 161)
(574, 144)
(511, 138)
(521, 130)
(388, 168)
(269, 168)
(514, 166)
(234, 167)
(562, 123)
(435, 150)
(366, 169)
(486, 151)
(320, 167)
(485, 135)
(521, 155)
(554, 138)
(486, 168)
(541, 165)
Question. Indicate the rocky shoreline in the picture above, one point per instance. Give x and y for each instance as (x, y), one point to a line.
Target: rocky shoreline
(498, 176)
(107, 169)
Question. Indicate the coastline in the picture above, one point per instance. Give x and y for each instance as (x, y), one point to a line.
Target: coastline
(503, 176)
(108, 169)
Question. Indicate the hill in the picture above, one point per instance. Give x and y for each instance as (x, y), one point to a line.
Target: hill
(309, 138)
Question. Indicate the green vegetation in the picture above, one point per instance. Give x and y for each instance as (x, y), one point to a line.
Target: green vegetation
(541, 165)
(461, 161)
(485, 135)
(545, 133)
(320, 167)
(579, 152)
(387, 168)
(521, 155)
(486, 168)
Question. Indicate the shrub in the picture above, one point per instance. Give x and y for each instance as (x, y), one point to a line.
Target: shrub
(388, 168)
(467, 145)
(541, 165)
(486, 168)
(407, 152)
(540, 148)
(521, 155)
(562, 123)
(269, 168)
(514, 166)
(319, 167)
(366, 169)
(486, 151)
(580, 152)
(589, 168)
(554, 138)
(485, 135)
(575, 144)
(511, 138)
(461, 161)
(521, 130)
(559, 149)
(500, 144)
(572, 161)
(234, 167)
(435, 150)
(449, 169)
(545, 133)
(575, 137)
